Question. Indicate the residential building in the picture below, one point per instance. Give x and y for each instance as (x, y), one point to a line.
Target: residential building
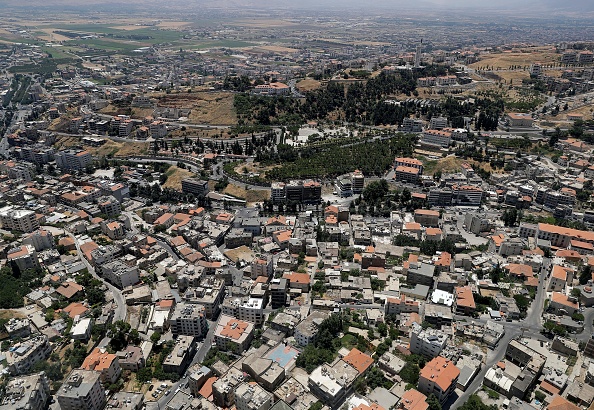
(131, 358)
(233, 334)
(439, 377)
(105, 363)
(477, 222)
(307, 330)
(250, 396)
(427, 217)
(73, 160)
(262, 266)
(30, 392)
(41, 239)
(195, 186)
(119, 274)
(181, 355)
(209, 294)
(109, 206)
(409, 162)
(427, 342)
(406, 174)
(436, 137)
(250, 309)
(82, 390)
(413, 399)
(188, 319)
(466, 195)
(396, 306)
(22, 357)
(21, 220)
(279, 289)
(332, 383)
(438, 123)
(307, 191)
(464, 301)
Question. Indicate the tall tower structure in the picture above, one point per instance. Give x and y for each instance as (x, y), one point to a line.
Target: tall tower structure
(418, 54)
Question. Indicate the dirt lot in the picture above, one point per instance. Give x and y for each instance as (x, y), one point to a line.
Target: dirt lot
(521, 57)
(308, 85)
(117, 149)
(253, 167)
(214, 108)
(175, 176)
(250, 195)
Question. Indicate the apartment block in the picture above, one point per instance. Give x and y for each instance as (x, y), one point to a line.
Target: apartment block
(40, 240)
(427, 342)
(406, 174)
(233, 334)
(307, 330)
(409, 162)
(250, 396)
(73, 160)
(18, 219)
(82, 390)
(250, 309)
(436, 137)
(188, 319)
(105, 363)
(307, 191)
(119, 274)
(181, 355)
(439, 377)
(30, 392)
(195, 186)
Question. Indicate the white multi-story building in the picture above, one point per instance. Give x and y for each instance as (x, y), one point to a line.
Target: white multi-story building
(250, 396)
(306, 331)
(158, 129)
(26, 393)
(188, 319)
(23, 220)
(40, 240)
(427, 342)
(120, 274)
(21, 357)
(73, 160)
(436, 137)
(438, 123)
(82, 390)
(250, 310)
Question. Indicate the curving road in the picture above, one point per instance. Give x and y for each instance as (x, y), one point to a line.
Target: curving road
(529, 327)
(121, 309)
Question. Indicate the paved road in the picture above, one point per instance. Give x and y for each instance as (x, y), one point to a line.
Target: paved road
(198, 357)
(588, 331)
(529, 327)
(121, 308)
(135, 219)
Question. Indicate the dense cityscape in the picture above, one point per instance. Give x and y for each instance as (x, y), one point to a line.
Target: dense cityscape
(285, 209)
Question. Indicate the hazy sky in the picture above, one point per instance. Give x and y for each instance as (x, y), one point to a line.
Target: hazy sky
(527, 6)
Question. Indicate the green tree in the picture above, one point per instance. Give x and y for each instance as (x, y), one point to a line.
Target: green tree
(144, 375)
(155, 337)
(433, 402)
